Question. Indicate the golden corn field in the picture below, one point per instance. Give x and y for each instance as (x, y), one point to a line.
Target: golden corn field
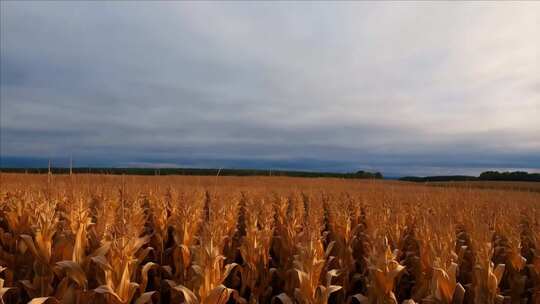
(164, 239)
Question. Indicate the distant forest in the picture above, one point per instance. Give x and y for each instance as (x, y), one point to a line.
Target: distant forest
(195, 171)
(484, 176)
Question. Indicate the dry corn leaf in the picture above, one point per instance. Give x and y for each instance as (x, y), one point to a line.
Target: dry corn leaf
(106, 290)
(29, 287)
(359, 298)
(101, 251)
(126, 289)
(498, 272)
(144, 274)
(29, 242)
(219, 295)
(459, 294)
(282, 298)
(189, 296)
(74, 272)
(444, 287)
(145, 298)
(102, 262)
(495, 278)
(3, 289)
(44, 300)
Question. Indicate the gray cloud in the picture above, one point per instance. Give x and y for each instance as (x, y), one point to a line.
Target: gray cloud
(400, 87)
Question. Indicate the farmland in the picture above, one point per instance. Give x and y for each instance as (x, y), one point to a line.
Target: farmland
(206, 239)
(494, 185)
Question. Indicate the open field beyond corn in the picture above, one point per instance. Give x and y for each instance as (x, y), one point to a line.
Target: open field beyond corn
(171, 239)
(497, 185)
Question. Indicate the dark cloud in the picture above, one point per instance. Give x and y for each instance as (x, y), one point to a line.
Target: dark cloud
(412, 88)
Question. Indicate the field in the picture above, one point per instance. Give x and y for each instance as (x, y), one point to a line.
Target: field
(501, 185)
(172, 239)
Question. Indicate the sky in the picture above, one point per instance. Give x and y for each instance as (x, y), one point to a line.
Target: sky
(405, 88)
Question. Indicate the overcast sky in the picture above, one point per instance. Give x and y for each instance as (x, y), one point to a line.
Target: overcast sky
(401, 87)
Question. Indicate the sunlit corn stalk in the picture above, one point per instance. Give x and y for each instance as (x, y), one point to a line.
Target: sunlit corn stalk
(286, 236)
(157, 225)
(383, 272)
(487, 277)
(309, 266)
(209, 262)
(232, 251)
(120, 265)
(102, 213)
(74, 270)
(444, 288)
(466, 261)
(185, 220)
(208, 266)
(436, 277)
(360, 249)
(17, 214)
(507, 252)
(254, 249)
(341, 234)
(40, 245)
(529, 243)
(409, 256)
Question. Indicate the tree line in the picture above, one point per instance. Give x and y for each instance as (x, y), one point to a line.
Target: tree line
(484, 176)
(196, 171)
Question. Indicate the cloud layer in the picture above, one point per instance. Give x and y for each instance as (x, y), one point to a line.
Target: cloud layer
(406, 88)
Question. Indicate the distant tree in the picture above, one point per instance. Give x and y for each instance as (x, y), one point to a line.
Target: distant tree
(364, 174)
(509, 176)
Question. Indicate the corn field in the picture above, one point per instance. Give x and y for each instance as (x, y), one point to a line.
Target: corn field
(213, 240)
